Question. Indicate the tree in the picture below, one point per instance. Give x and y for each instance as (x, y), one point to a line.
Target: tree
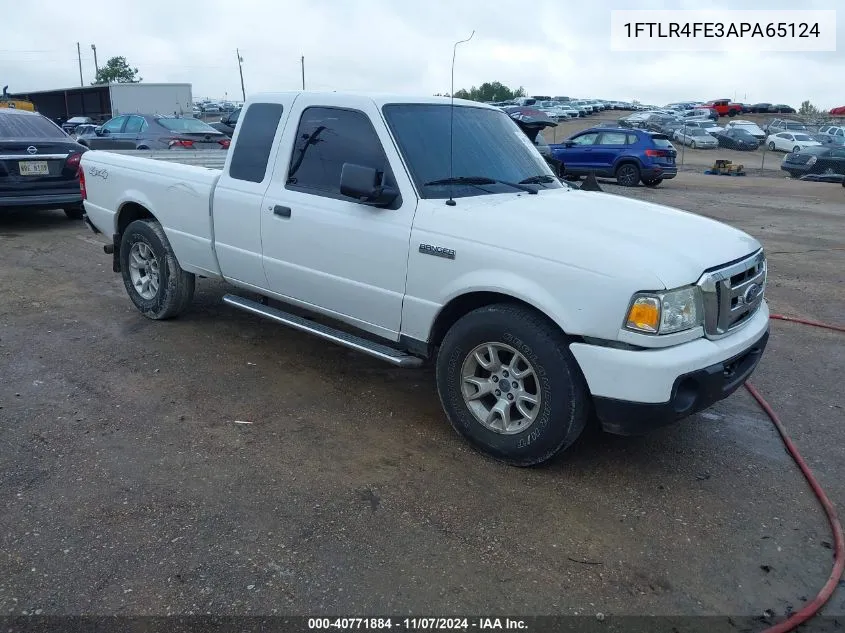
(808, 109)
(117, 70)
(495, 91)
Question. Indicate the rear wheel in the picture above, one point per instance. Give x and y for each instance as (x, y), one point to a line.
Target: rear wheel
(627, 175)
(74, 213)
(510, 386)
(155, 282)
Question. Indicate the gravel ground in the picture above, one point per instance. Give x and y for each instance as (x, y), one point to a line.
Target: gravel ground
(128, 485)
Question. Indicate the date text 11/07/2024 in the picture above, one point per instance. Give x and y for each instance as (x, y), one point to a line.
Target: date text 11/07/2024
(720, 30)
(417, 624)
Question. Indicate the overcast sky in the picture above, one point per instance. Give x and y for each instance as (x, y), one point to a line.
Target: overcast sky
(402, 46)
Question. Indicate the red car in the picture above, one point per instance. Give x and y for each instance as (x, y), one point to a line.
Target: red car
(724, 107)
(840, 111)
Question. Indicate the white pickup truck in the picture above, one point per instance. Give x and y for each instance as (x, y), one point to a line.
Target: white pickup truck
(542, 306)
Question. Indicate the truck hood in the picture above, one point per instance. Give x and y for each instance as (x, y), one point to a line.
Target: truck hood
(597, 231)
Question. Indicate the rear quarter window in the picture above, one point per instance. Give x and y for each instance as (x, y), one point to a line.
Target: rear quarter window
(661, 142)
(255, 141)
(25, 126)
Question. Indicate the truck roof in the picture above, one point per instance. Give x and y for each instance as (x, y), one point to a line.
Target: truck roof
(380, 99)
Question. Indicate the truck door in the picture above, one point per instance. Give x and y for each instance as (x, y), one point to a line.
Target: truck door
(240, 191)
(322, 249)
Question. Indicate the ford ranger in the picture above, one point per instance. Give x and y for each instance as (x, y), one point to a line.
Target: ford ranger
(422, 231)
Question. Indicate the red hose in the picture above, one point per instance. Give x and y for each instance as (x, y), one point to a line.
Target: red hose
(781, 317)
(811, 608)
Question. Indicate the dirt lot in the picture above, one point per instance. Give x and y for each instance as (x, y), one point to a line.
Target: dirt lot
(127, 487)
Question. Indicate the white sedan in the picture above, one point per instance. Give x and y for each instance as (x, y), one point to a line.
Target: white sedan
(749, 126)
(789, 142)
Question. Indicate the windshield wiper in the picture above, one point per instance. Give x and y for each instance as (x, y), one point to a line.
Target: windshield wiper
(538, 180)
(478, 180)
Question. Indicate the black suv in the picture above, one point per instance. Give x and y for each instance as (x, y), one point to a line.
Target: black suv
(39, 164)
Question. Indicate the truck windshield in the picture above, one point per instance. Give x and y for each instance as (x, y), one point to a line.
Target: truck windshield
(487, 144)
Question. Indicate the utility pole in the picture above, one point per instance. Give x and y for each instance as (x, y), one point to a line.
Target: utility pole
(302, 61)
(79, 57)
(241, 70)
(96, 65)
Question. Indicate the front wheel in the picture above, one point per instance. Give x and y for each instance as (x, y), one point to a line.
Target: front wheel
(796, 149)
(510, 386)
(771, 146)
(157, 285)
(693, 145)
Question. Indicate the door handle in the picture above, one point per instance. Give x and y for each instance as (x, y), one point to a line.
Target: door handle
(283, 212)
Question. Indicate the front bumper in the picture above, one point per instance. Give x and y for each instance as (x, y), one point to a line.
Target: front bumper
(795, 170)
(636, 390)
(691, 393)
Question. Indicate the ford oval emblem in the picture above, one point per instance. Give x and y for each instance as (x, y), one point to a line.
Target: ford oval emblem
(751, 293)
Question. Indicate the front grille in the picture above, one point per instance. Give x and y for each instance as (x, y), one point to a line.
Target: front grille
(732, 293)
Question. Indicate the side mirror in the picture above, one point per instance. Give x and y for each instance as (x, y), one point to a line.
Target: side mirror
(99, 131)
(568, 143)
(362, 183)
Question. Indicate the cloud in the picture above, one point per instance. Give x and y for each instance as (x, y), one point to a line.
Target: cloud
(388, 46)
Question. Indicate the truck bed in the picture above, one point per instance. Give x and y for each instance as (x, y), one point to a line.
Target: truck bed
(177, 185)
(210, 158)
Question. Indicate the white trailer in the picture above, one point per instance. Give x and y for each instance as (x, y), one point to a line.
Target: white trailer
(150, 98)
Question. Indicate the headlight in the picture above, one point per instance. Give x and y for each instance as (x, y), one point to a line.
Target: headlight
(665, 312)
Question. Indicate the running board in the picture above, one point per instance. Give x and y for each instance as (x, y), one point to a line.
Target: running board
(376, 350)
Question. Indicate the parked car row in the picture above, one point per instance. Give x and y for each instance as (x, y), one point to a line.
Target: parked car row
(563, 108)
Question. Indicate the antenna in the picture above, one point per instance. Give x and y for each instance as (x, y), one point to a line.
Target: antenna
(450, 201)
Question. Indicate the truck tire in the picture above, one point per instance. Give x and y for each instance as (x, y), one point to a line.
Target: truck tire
(155, 282)
(510, 386)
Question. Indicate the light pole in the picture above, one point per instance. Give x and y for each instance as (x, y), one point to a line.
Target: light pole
(79, 57)
(241, 70)
(96, 65)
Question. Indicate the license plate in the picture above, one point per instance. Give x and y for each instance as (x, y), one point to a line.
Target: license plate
(34, 168)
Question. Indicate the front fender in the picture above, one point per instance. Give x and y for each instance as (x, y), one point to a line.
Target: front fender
(514, 285)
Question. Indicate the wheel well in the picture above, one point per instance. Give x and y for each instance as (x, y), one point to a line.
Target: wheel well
(130, 212)
(626, 161)
(464, 304)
